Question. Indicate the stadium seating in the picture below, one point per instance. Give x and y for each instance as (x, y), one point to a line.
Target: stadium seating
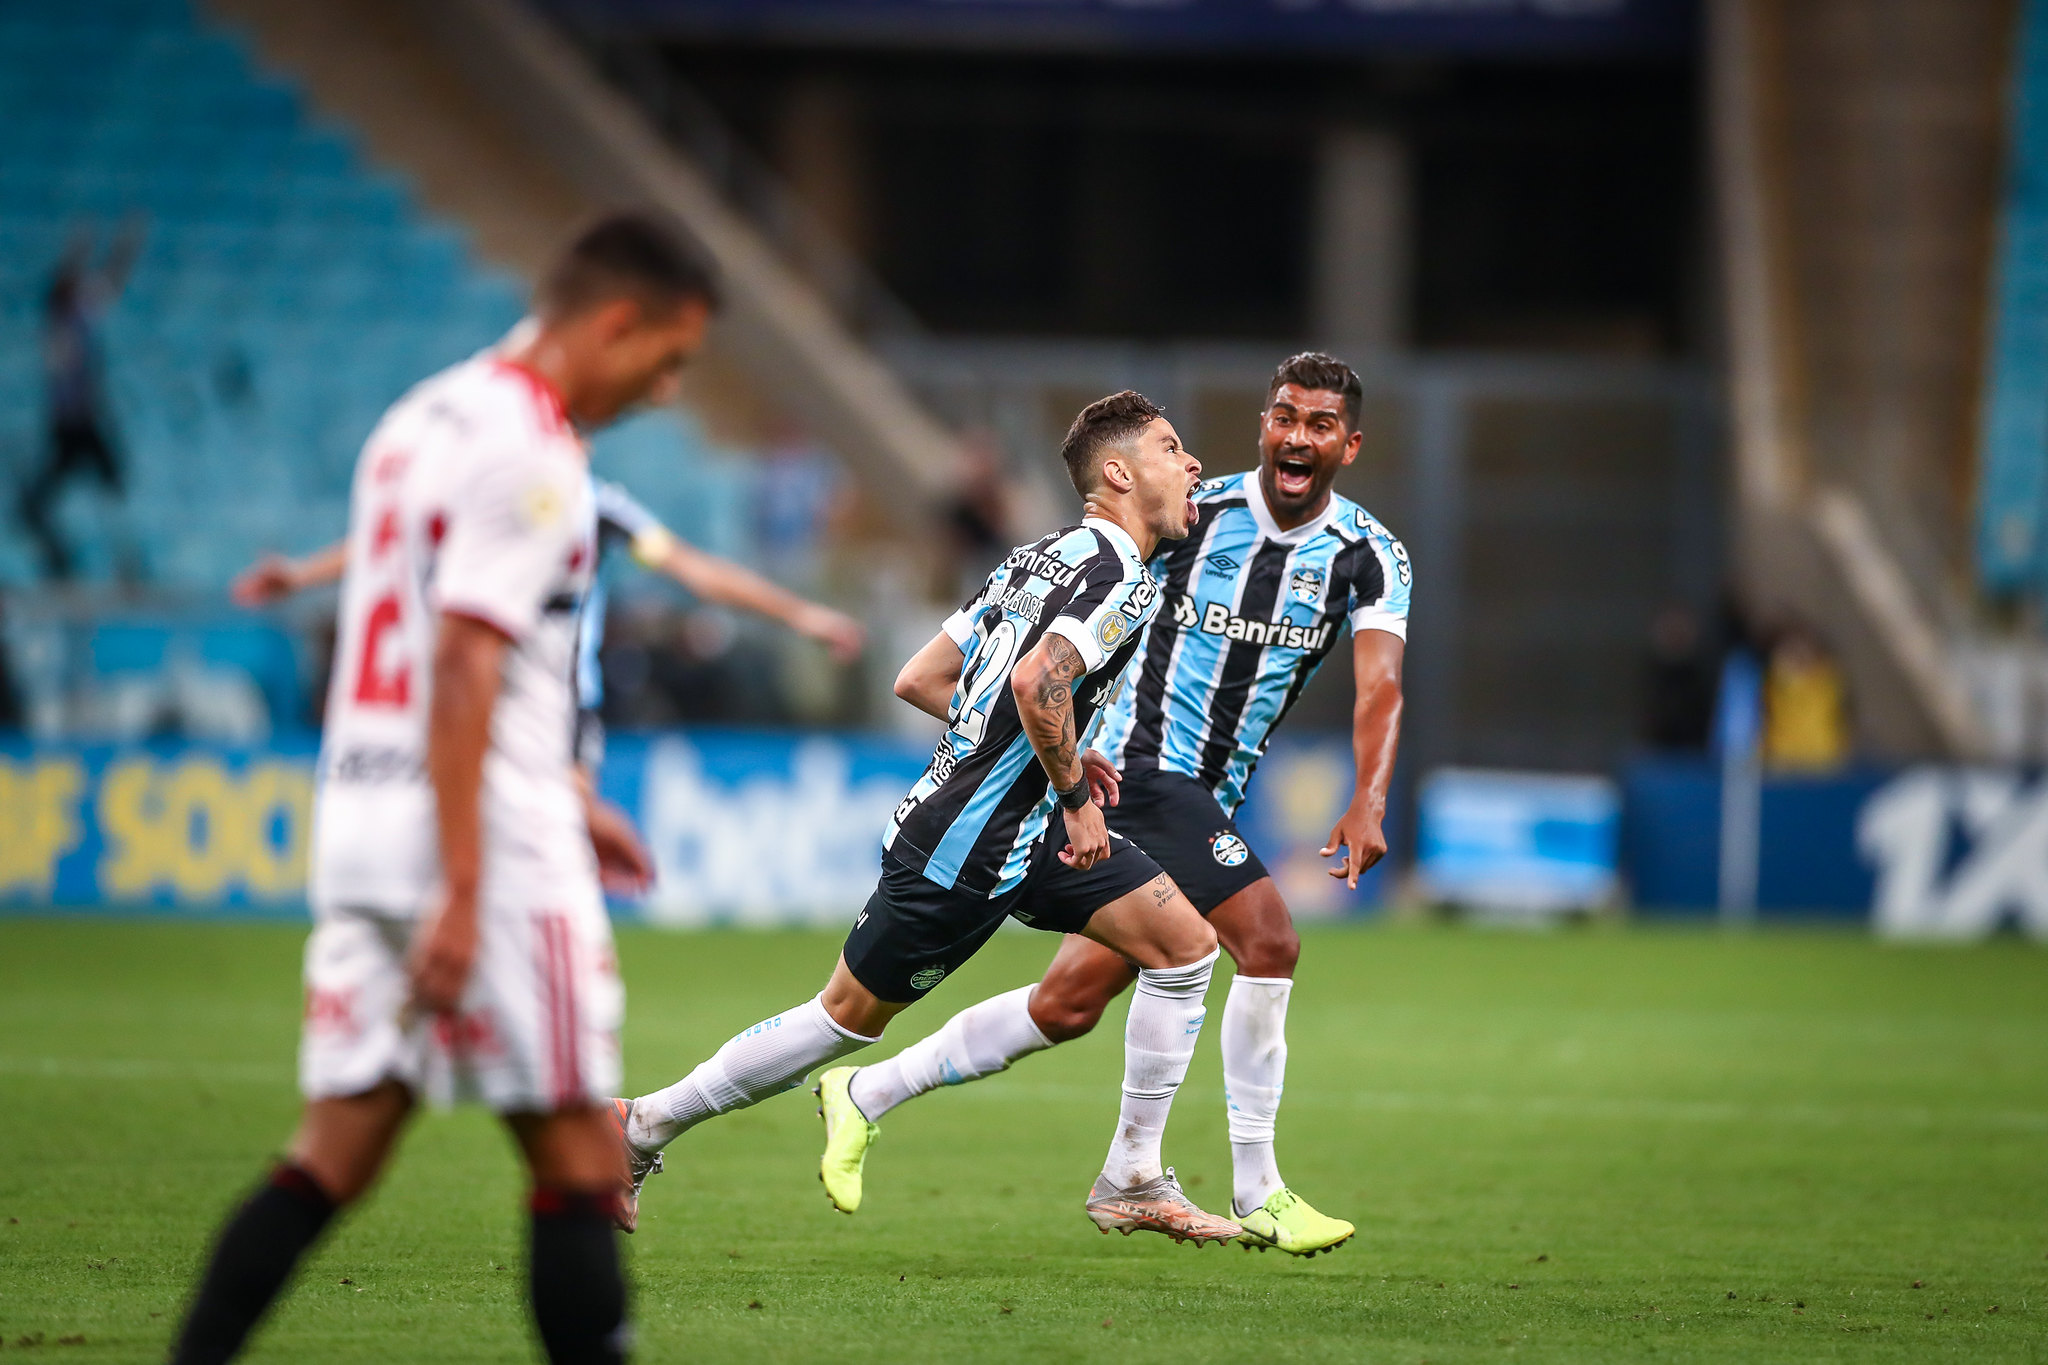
(284, 294)
(2012, 505)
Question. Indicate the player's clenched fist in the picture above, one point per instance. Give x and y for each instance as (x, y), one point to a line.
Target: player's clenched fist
(1087, 837)
(442, 956)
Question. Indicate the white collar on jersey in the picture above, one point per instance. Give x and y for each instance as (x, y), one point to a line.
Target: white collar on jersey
(1255, 499)
(1116, 533)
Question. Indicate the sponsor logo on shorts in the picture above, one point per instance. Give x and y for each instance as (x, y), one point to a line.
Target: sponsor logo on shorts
(927, 977)
(374, 764)
(1112, 629)
(1229, 850)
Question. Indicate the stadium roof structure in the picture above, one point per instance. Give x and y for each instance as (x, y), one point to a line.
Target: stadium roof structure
(1532, 28)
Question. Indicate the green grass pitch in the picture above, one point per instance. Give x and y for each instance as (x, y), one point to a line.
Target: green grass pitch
(1599, 1145)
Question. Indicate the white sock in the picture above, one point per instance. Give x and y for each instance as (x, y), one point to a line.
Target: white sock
(1159, 1041)
(773, 1056)
(1254, 1074)
(978, 1041)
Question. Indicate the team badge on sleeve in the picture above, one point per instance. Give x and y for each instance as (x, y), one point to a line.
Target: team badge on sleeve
(1112, 629)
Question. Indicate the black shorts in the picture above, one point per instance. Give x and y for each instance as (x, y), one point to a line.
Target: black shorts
(914, 931)
(1174, 818)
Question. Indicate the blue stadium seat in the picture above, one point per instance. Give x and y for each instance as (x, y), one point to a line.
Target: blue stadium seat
(284, 295)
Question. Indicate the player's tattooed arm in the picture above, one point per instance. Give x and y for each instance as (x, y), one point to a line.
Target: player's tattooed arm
(1043, 684)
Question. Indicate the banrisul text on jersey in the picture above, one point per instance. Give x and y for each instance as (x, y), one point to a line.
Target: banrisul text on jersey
(1250, 611)
(984, 800)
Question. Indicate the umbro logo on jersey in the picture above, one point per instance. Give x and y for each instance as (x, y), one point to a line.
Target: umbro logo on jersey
(1222, 563)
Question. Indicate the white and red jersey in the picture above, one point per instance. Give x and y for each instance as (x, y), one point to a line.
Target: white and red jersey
(471, 497)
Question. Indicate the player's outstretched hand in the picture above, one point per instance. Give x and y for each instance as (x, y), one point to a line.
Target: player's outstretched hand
(837, 631)
(1102, 777)
(268, 580)
(623, 863)
(1087, 837)
(442, 955)
(1357, 843)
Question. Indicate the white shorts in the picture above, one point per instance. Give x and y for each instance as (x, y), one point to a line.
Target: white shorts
(538, 1030)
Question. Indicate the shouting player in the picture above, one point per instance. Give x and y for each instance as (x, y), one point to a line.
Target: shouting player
(1253, 601)
(460, 947)
(1002, 825)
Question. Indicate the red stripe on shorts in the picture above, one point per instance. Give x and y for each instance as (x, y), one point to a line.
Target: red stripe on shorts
(558, 985)
(572, 1073)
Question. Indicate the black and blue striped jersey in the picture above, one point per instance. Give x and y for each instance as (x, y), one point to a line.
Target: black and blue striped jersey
(971, 820)
(621, 520)
(1248, 612)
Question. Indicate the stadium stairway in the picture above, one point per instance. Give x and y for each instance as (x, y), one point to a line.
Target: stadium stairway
(1857, 149)
(2012, 489)
(446, 89)
(285, 291)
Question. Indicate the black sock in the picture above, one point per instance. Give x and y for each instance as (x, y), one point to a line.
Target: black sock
(254, 1257)
(579, 1294)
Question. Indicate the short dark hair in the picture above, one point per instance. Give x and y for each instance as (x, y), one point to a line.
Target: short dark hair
(1106, 422)
(626, 254)
(1325, 374)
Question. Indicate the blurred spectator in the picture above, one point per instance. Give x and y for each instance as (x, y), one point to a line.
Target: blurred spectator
(1679, 684)
(1806, 713)
(10, 700)
(78, 295)
(977, 517)
(799, 487)
(664, 667)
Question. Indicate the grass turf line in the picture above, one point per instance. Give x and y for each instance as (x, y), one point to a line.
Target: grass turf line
(1559, 1147)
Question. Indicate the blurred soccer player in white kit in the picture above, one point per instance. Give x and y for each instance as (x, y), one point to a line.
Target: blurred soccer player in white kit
(460, 947)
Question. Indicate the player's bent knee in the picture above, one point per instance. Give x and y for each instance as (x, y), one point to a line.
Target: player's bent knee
(854, 1007)
(342, 1144)
(1063, 1019)
(1189, 941)
(1273, 955)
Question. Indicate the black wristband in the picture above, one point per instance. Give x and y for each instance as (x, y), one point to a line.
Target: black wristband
(1074, 797)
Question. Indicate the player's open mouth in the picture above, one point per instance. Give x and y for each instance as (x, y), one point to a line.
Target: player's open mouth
(1194, 513)
(1293, 476)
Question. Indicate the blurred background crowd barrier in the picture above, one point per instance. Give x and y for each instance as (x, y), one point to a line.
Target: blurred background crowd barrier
(1705, 346)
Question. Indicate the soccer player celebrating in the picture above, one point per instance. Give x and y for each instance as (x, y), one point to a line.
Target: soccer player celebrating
(1002, 825)
(460, 946)
(1253, 601)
